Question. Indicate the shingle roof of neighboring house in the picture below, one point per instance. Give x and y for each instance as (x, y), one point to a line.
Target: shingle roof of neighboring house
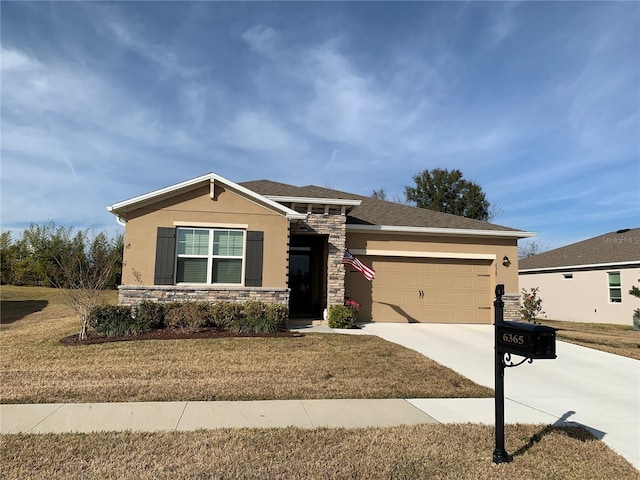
(618, 247)
(374, 212)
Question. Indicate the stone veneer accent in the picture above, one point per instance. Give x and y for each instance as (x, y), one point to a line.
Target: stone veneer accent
(135, 294)
(511, 306)
(336, 227)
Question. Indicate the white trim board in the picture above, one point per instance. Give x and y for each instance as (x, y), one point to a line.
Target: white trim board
(414, 254)
(440, 231)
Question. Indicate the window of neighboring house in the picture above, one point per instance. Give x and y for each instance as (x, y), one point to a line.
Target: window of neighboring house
(615, 289)
(208, 255)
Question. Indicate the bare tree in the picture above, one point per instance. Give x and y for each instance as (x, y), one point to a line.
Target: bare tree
(379, 194)
(85, 274)
(530, 249)
(495, 210)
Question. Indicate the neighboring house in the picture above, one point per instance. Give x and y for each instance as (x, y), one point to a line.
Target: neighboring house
(212, 239)
(588, 281)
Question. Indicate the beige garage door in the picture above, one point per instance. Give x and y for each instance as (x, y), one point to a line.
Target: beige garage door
(431, 290)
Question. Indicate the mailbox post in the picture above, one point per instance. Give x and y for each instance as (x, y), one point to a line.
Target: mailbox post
(528, 340)
(499, 454)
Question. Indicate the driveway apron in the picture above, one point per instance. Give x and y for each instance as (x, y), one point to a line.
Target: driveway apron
(598, 390)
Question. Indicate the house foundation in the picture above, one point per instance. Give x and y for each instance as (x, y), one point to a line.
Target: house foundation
(136, 294)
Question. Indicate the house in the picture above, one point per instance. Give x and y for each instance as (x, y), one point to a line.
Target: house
(211, 239)
(588, 281)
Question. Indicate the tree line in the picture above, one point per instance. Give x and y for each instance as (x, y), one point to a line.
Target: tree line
(51, 256)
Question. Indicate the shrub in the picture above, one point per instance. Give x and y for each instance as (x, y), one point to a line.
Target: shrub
(248, 317)
(531, 305)
(342, 316)
(258, 317)
(278, 315)
(115, 321)
(187, 316)
(151, 313)
(635, 291)
(223, 314)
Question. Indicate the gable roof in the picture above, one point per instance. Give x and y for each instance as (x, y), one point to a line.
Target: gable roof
(120, 209)
(379, 215)
(363, 213)
(613, 248)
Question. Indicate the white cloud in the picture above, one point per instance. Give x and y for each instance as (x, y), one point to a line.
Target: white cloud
(160, 54)
(261, 38)
(254, 131)
(14, 60)
(502, 22)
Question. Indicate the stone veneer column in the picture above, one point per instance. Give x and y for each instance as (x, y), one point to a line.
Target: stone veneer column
(335, 226)
(511, 306)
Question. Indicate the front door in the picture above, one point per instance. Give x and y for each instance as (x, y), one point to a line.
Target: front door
(307, 275)
(300, 281)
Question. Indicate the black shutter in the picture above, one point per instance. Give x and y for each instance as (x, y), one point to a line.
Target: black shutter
(253, 267)
(165, 256)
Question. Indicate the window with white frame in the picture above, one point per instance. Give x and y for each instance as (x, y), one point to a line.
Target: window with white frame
(615, 288)
(210, 255)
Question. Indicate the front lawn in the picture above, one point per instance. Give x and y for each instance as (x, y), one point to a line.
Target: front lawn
(460, 451)
(619, 339)
(36, 368)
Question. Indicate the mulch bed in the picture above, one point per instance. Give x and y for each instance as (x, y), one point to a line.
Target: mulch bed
(169, 334)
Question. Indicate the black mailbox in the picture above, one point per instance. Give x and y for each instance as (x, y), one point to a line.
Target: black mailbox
(526, 339)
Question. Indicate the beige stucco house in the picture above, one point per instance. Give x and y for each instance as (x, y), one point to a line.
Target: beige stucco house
(588, 281)
(212, 239)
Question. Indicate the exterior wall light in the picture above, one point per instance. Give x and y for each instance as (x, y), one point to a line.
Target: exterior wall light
(505, 261)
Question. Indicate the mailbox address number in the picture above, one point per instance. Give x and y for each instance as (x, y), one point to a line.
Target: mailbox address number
(514, 338)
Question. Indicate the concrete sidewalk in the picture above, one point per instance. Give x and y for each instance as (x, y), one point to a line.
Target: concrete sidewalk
(188, 416)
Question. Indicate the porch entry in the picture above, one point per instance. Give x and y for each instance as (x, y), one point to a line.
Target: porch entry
(308, 275)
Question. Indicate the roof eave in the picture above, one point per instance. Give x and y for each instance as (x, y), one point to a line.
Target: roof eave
(630, 263)
(313, 200)
(441, 231)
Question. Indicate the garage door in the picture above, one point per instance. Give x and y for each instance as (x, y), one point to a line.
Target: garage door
(431, 290)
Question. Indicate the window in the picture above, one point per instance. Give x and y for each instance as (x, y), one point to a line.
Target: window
(615, 290)
(210, 255)
(568, 276)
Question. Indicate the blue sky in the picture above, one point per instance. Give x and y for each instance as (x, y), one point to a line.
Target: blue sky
(537, 102)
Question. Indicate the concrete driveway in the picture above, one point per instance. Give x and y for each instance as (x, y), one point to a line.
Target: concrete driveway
(598, 390)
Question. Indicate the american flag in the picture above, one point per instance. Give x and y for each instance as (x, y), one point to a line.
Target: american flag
(349, 259)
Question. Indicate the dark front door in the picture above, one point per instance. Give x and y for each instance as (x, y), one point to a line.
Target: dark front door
(300, 281)
(307, 275)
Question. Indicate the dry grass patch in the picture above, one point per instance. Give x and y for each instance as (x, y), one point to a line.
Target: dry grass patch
(36, 368)
(618, 339)
(461, 451)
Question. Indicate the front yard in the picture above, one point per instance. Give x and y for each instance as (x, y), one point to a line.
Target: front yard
(36, 368)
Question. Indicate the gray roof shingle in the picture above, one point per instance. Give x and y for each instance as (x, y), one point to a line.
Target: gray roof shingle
(377, 212)
(613, 247)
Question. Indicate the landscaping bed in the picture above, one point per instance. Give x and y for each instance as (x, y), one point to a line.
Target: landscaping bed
(171, 334)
